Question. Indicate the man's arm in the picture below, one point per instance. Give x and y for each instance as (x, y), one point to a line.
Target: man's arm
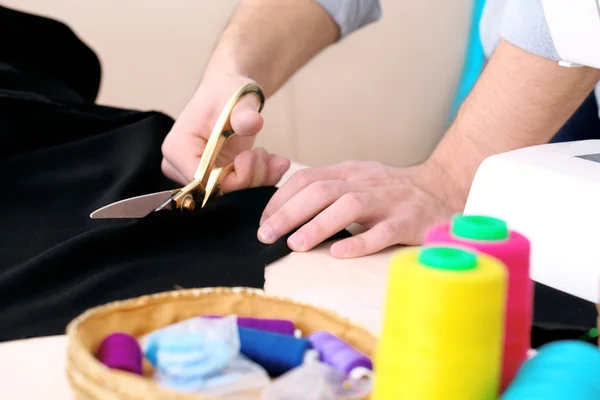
(266, 41)
(521, 99)
(269, 40)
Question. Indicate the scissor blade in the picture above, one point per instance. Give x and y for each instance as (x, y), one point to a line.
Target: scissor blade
(134, 207)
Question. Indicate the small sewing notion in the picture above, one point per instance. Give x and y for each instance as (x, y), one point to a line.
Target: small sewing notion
(207, 179)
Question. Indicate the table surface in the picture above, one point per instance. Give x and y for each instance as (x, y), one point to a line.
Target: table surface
(355, 288)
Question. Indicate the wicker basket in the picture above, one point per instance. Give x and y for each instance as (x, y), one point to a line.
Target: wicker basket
(90, 380)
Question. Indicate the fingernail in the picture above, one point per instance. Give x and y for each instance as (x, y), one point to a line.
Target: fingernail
(297, 241)
(266, 234)
(340, 249)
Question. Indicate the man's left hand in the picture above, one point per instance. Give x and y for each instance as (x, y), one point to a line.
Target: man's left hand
(395, 205)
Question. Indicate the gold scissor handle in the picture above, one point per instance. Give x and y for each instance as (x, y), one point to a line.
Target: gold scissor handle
(215, 181)
(215, 143)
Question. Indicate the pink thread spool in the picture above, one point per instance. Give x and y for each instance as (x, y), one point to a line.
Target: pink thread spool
(492, 236)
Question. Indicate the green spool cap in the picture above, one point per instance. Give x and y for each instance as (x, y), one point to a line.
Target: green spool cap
(479, 227)
(448, 258)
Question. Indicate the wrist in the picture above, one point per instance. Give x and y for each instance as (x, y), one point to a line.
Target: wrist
(454, 172)
(228, 66)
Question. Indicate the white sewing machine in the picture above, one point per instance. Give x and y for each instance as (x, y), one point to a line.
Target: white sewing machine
(551, 193)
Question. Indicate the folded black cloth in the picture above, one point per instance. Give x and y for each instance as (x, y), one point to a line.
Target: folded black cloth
(62, 157)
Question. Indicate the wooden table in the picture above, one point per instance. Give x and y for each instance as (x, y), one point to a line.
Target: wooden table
(35, 368)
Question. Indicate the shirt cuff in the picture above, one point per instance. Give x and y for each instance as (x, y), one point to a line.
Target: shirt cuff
(524, 25)
(351, 15)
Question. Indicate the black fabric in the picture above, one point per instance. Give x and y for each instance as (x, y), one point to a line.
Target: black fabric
(584, 124)
(61, 157)
(558, 316)
(43, 56)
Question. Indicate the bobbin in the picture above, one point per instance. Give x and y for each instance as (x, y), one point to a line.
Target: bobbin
(341, 356)
(121, 351)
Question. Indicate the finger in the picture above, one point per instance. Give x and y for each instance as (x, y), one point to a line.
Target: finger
(181, 155)
(277, 166)
(379, 237)
(258, 169)
(245, 119)
(301, 208)
(294, 185)
(250, 170)
(350, 208)
(172, 173)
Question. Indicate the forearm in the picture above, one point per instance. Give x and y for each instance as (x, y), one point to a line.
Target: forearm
(520, 100)
(269, 40)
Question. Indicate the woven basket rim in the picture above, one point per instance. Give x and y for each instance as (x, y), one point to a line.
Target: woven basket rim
(108, 376)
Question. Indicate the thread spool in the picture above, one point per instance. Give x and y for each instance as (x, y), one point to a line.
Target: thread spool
(275, 352)
(121, 351)
(443, 326)
(340, 355)
(561, 370)
(281, 326)
(492, 236)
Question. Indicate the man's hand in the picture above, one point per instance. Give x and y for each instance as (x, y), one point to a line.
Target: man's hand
(266, 41)
(185, 144)
(520, 100)
(396, 205)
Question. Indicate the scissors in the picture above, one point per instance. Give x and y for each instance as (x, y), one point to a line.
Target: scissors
(207, 179)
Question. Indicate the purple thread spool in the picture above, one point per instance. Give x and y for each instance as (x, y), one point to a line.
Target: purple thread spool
(121, 351)
(281, 326)
(340, 355)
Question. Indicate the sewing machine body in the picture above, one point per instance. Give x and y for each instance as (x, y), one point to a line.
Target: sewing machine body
(551, 194)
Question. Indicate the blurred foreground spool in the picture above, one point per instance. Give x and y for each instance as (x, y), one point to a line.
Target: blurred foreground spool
(443, 326)
(492, 236)
(560, 370)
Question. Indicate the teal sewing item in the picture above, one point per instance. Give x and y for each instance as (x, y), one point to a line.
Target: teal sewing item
(189, 354)
(566, 369)
(186, 355)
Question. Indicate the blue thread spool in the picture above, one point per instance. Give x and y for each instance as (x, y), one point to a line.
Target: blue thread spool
(275, 352)
(566, 369)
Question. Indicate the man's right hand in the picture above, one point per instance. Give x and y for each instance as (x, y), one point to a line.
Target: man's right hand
(185, 143)
(267, 40)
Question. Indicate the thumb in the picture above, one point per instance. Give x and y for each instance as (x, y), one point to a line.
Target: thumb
(245, 119)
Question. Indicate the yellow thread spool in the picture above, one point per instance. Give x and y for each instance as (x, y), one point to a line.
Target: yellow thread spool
(443, 326)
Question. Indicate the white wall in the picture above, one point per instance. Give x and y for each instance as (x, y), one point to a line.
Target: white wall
(381, 94)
